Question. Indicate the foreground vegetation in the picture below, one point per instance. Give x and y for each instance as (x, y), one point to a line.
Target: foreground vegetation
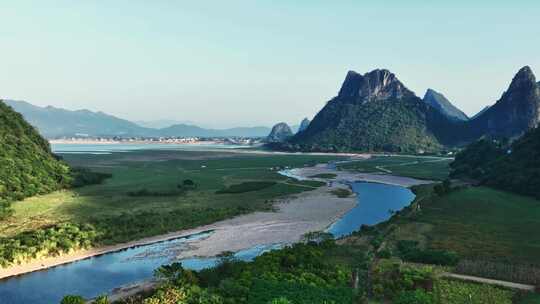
(149, 193)
(312, 272)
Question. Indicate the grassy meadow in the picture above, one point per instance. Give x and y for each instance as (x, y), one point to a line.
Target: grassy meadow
(148, 195)
(421, 167)
(161, 172)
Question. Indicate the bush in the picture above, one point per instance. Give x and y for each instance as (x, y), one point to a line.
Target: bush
(409, 251)
(245, 187)
(417, 296)
(145, 192)
(391, 278)
(101, 300)
(83, 176)
(71, 299)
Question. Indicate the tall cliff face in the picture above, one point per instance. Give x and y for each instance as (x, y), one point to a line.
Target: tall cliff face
(280, 132)
(441, 103)
(375, 85)
(517, 111)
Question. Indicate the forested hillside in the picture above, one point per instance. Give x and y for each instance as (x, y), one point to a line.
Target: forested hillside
(27, 166)
(514, 167)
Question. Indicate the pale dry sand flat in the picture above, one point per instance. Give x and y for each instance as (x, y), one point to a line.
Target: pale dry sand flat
(307, 212)
(349, 176)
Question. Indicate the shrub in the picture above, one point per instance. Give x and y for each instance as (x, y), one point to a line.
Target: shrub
(72, 299)
(417, 296)
(409, 251)
(245, 187)
(101, 300)
(391, 278)
(83, 176)
(341, 193)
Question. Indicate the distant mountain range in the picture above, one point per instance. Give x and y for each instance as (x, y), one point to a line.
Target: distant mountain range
(162, 123)
(376, 112)
(55, 122)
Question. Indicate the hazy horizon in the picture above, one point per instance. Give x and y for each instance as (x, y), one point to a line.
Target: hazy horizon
(246, 63)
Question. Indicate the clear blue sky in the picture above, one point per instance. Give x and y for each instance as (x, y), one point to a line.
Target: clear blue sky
(225, 63)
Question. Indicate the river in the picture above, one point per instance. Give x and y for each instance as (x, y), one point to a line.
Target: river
(101, 274)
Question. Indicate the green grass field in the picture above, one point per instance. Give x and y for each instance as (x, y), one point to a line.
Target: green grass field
(161, 172)
(478, 223)
(431, 168)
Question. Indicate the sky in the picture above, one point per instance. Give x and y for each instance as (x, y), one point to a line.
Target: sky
(246, 63)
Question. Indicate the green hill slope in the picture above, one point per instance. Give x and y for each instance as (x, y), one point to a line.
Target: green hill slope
(514, 168)
(27, 166)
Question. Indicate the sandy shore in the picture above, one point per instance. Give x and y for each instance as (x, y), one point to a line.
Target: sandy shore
(350, 176)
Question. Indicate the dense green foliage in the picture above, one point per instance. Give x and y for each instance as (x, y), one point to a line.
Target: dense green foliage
(391, 278)
(27, 166)
(246, 187)
(300, 274)
(45, 242)
(84, 177)
(513, 168)
(71, 299)
(409, 251)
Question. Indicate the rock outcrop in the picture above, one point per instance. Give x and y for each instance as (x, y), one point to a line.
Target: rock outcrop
(280, 132)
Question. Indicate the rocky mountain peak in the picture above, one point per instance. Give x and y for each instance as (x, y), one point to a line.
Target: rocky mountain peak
(516, 111)
(524, 79)
(443, 105)
(280, 132)
(379, 84)
(304, 124)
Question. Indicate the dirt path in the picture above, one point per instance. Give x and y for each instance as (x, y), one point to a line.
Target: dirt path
(512, 285)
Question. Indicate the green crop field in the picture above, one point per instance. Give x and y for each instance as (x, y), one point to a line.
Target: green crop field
(478, 223)
(146, 195)
(431, 168)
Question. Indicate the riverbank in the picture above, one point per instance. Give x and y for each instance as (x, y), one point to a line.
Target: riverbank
(295, 216)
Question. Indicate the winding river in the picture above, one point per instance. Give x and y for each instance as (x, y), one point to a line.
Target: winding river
(101, 274)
